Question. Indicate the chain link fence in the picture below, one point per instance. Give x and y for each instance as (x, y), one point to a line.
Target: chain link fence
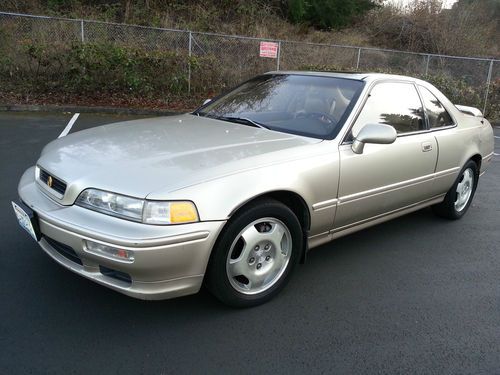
(221, 61)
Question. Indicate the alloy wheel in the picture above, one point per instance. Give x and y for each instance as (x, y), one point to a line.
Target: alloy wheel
(259, 255)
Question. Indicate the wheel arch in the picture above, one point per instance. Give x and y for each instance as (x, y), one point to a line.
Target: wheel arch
(476, 158)
(289, 198)
(295, 203)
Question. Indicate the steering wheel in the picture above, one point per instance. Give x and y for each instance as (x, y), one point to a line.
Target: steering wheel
(320, 116)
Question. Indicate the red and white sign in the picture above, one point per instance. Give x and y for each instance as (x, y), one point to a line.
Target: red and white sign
(269, 49)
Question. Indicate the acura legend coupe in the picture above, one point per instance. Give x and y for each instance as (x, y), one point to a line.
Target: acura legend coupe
(234, 194)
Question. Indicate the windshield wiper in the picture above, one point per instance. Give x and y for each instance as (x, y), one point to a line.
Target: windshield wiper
(243, 121)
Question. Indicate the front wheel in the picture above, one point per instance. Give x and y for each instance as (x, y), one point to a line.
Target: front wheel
(459, 197)
(255, 255)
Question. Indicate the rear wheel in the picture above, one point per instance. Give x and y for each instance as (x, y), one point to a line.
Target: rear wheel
(255, 255)
(459, 197)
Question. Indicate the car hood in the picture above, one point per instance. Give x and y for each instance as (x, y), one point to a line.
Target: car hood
(139, 157)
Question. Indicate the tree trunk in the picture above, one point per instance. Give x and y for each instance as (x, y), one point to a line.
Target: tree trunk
(126, 9)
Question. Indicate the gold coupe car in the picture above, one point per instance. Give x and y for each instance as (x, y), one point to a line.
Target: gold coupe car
(234, 194)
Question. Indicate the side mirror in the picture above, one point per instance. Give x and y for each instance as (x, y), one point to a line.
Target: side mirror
(207, 101)
(373, 133)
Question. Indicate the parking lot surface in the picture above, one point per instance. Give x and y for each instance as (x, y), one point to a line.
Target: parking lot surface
(418, 294)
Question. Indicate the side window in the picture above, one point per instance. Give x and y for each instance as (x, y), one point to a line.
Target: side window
(396, 104)
(437, 114)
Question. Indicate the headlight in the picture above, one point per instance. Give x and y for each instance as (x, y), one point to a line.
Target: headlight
(111, 204)
(149, 212)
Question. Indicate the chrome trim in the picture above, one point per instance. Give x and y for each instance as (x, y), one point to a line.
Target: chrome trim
(431, 130)
(418, 132)
(396, 186)
(490, 155)
(325, 204)
(336, 232)
(319, 239)
(447, 172)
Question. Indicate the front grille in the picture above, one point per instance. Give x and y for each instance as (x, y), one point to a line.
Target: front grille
(65, 250)
(56, 184)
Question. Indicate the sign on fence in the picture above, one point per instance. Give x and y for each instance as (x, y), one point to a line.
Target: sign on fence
(268, 49)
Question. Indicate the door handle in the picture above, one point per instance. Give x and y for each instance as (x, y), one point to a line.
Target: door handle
(426, 146)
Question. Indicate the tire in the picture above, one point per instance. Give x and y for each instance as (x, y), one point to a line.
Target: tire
(255, 255)
(459, 197)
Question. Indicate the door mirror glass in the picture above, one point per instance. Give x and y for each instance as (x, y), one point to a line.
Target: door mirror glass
(373, 133)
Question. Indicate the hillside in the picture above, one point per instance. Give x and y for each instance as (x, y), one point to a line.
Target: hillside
(470, 28)
(43, 61)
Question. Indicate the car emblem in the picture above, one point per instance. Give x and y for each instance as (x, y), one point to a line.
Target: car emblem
(49, 181)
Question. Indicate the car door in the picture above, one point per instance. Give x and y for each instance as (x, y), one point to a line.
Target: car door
(386, 178)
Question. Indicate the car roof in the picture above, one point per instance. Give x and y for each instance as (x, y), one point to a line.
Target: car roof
(349, 75)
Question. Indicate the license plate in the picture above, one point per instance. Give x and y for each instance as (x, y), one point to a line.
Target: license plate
(26, 219)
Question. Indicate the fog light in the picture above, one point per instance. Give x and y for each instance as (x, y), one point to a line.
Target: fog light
(109, 252)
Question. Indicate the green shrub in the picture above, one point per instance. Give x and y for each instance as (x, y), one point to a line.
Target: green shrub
(327, 14)
(493, 107)
(457, 90)
(94, 68)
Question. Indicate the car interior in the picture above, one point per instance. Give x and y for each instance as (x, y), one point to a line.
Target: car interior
(318, 110)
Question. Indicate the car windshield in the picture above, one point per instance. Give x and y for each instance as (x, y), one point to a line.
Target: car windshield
(312, 106)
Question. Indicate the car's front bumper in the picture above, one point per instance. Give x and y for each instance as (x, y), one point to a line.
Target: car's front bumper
(169, 261)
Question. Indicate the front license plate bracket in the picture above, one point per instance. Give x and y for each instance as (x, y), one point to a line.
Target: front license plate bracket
(27, 219)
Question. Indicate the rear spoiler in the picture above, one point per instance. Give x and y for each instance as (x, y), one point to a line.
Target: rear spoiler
(469, 110)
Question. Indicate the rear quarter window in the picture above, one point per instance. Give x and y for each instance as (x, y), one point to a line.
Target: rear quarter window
(436, 113)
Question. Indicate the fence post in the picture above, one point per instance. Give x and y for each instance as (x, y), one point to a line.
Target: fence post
(82, 32)
(189, 61)
(359, 58)
(279, 55)
(488, 82)
(427, 64)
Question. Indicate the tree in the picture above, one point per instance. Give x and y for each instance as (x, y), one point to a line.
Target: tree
(328, 14)
(469, 28)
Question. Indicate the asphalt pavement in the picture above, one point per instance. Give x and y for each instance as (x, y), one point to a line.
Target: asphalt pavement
(418, 294)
